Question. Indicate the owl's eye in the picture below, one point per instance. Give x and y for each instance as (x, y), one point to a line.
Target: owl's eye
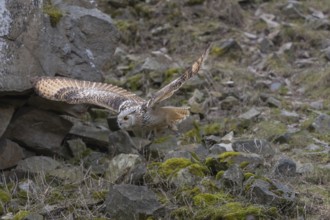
(126, 118)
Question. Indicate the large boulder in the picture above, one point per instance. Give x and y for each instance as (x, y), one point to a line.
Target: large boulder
(52, 37)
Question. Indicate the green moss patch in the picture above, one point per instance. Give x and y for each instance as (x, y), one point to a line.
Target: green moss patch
(54, 14)
(4, 196)
(21, 215)
(208, 199)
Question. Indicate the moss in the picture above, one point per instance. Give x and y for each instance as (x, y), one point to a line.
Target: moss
(271, 130)
(193, 135)
(173, 165)
(54, 14)
(217, 51)
(213, 128)
(228, 154)
(54, 197)
(143, 10)
(198, 169)
(4, 196)
(248, 175)
(100, 195)
(208, 199)
(229, 211)
(183, 212)
(244, 164)
(134, 82)
(161, 140)
(21, 215)
(219, 174)
(169, 74)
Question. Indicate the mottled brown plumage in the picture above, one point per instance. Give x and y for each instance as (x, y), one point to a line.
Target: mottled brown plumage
(135, 113)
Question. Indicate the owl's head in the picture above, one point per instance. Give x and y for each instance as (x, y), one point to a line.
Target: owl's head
(127, 119)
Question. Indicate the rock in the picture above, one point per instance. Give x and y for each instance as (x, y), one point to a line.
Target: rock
(68, 175)
(85, 40)
(6, 113)
(161, 146)
(217, 149)
(131, 202)
(41, 131)
(98, 162)
(273, 102)
(37, 164)
(317, 105)
(261, 147)
(112, 123)
(136, 175)
(184, 177)
(275, 86)
(233, 178)
(229, 102)
(322, 124)
(252, 113)
(120, 166)
(121, 143)
(10, 154)
(178, 154)
(249, 161)
(269, 193)
(285, 167)
(34, 216)
(77, 147)
(91, 134)
(291, 116)
(211, 140)
(305, 168)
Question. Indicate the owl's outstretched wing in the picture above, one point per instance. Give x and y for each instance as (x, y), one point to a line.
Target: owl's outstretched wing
(78, 92)
(168, 90)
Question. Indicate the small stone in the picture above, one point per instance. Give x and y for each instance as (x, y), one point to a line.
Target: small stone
(6, 112)
(272, 102)
(317, 105)
(77, 147)
(38, 164)
(68, 175)
(252, 113)
(285, 167)
(121, 165)
(98, 162)
(10, 154)
(217, 149)
(229, 102)
(233, 178)
(305, 168)
(322, 124)
(261, 147)
(127, 201)
(275, 86)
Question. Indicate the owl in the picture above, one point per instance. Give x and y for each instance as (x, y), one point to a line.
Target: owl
(134, 113)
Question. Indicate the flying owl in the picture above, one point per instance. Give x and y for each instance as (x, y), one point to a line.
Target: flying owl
(134, 113)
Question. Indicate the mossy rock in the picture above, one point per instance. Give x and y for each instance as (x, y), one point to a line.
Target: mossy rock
(210, 199)
(229, 211)
(4, 196)
(173, 165)
(270, 130)
(21, 215)
(54, 13)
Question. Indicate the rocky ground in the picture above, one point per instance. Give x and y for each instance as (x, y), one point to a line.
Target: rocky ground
(256, 145)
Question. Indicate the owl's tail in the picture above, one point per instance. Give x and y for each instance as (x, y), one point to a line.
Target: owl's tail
(175, 115)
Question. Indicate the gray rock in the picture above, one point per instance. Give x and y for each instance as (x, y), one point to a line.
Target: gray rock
(121, 165)
(131, 202)
(77, 147)
(6, 112)
(291, 116)
(68, 175)
(161, 146)
(229, 102)
(80, 45)
(275, 86)
(33, 216)
(322, 124)
(233, 178)
(318, 105)
(269, 193)
(184, 177)
(178, 154)
(261, 147)
(10, 154)
(91, 134)
(37, 164)
(97, 162)
(42, 132)
(273, 102)
(305, 168)
(285, 167)
(217, 149)
(252, 161)
(252, 113)
(120, 142)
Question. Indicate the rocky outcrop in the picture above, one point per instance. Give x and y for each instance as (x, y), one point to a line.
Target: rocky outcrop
(52, 37)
